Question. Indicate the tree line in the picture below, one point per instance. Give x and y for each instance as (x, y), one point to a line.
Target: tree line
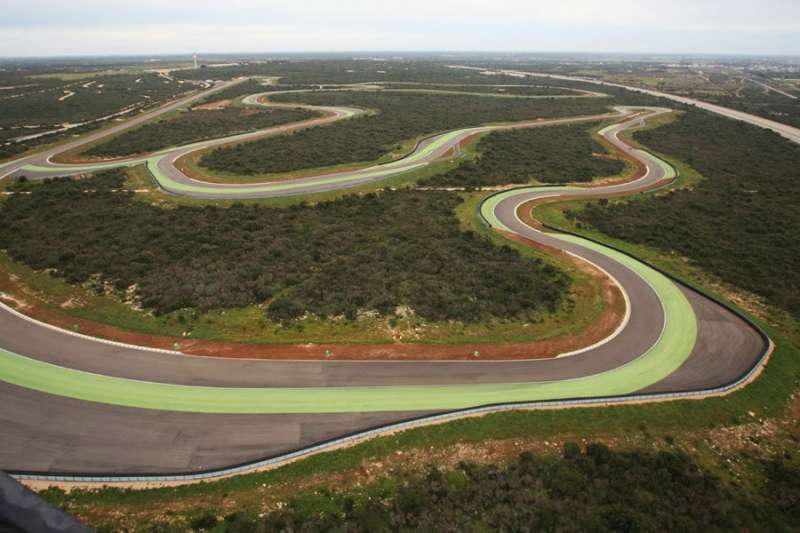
(489, 88)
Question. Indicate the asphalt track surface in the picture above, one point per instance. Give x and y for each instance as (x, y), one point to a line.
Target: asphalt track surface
(42, 158)
(73, 404)
(170, 179)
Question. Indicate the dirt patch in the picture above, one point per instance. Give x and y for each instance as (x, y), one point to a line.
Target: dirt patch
(794, 407)
(14, 301)
(607, 157)
(212, 106)
(750, 302)
(72, 303)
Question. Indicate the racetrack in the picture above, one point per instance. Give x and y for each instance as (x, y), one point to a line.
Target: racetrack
(162, 167)
(73, 404)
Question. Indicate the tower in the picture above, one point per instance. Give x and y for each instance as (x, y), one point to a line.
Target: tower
(194, 56)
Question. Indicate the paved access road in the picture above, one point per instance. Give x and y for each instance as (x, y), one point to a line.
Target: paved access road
(790, 132)
(79, 405)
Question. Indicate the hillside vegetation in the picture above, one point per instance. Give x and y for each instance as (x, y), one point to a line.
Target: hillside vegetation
(594, 490)
(395, 252)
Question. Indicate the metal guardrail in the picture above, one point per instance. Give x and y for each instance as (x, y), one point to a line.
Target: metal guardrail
(400, 426)
(356, 437)
(353, 438)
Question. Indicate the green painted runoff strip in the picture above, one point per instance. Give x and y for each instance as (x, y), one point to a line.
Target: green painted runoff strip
(407, 164)
(489, 206)
(670, 351)
(663, 358)
(667, 169)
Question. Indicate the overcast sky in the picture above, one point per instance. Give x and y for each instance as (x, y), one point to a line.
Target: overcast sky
(91, 27)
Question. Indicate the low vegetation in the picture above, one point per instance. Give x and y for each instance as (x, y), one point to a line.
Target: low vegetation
(192, 126)
(556, 154)
(739, 223)
(395, 252)
(592, 490)
(401, 116)
(92, 99)
(648, 484)
(325, 71)
(512, 89)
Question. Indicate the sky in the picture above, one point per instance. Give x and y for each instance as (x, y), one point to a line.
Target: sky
(142, 27)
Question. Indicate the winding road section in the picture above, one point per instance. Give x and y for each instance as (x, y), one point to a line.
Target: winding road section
(171, 179)
(76, 408)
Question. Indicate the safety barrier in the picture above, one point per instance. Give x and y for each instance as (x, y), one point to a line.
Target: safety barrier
(356, 437)
(390, 428)
(353, 438)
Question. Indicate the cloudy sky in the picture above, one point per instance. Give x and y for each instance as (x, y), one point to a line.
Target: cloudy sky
(58, 27)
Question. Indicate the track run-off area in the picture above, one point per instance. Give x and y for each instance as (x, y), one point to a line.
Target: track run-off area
(80, 409)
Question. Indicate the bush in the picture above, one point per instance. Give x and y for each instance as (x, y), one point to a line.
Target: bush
(339, 258)
(203, 522)
(625, 491)
(192, 126)
(402, 116)
(556, 154)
